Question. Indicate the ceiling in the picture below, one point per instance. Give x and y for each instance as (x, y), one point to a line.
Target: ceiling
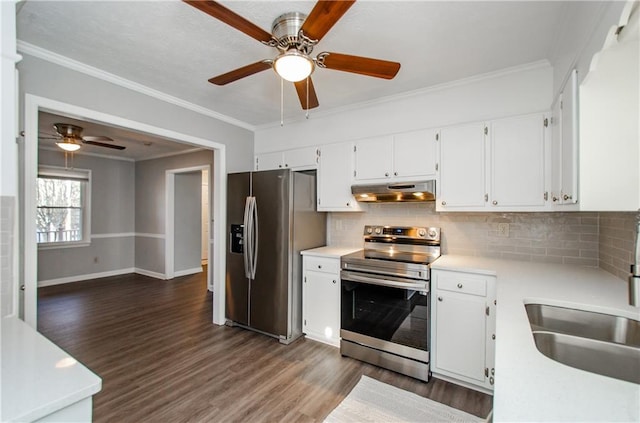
(172, 47)
(138, 145)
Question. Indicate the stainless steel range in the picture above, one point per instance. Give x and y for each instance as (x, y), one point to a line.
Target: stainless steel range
(384, 303)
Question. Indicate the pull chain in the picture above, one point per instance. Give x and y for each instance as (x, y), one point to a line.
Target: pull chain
(307, 108)
(281, 102)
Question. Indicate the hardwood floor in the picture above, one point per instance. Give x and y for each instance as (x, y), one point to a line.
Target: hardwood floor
(162, 360)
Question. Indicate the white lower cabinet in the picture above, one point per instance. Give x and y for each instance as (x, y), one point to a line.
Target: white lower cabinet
(321, 299)
(463, 327)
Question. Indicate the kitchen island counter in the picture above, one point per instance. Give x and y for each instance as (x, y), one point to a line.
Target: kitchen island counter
(528, 385)
(40, 380)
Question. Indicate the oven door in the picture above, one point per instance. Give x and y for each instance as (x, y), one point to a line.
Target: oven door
(390, 310)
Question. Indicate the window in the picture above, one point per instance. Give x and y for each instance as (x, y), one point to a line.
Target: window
(63, 199)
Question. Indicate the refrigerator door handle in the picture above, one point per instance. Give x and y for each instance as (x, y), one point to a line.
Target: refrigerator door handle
(254, 238)
(246, 237)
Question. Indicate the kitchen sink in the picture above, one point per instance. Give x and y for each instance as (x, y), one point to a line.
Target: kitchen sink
(600, 343)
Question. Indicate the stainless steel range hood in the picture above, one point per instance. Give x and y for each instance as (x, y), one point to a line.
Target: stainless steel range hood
(419, 191)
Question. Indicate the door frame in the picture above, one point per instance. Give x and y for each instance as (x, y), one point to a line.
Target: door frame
(35, 104)
(169, 223)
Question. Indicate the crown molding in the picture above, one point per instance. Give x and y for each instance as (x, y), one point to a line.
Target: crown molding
(58, 59)
(414, 93)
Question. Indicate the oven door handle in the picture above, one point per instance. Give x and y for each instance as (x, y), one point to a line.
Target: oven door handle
(390, 282)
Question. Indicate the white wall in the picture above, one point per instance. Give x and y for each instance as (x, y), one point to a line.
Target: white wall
(511, 92)
(112, 223)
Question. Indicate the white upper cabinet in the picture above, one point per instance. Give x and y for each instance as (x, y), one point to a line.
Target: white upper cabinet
(414, 154)
(401, 157)
(374, 158)
(335, 174)
(517, 177)
(609, 130)
(497, 165)
(462, 168)
(297, 159)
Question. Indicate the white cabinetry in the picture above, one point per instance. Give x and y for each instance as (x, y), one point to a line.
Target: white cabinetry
(463, 327)
(564, 145)
(495, 165)
(401, 157)
(297, 159)
(335, 174)
(321, 299)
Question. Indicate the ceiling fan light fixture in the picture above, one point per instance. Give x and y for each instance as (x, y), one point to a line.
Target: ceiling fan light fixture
(293, 66)
(68, 144)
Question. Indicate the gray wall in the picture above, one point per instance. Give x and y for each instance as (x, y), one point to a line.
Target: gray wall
(188, 221)
(46, 79)
(112, 220)
(150, 205)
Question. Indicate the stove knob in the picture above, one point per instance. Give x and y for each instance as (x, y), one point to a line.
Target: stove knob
(378, 231)
(369, 230)
(432, 233)
(421, 233)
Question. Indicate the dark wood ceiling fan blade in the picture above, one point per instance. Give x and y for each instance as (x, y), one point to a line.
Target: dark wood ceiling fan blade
(301, 88)
(361, 65)
(98, 138)
(323, 16)
(101, 144)
(218, 11)
(240, 73)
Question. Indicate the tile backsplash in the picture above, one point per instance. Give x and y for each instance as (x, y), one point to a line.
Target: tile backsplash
(554, 237)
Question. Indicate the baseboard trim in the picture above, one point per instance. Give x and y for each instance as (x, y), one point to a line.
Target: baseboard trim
(79, 278)
(186, 272)
(149, 273)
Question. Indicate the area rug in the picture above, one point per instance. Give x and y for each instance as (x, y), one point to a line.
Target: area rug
(373, 401)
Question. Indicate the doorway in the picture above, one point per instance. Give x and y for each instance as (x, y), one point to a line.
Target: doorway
(35, 104)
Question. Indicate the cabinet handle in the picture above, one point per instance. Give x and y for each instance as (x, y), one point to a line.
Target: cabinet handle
(286, 165)
(386, 174)
(494, 202)
(460, 285)
(491, 380)
(439, 298)
(444, 203)
(348, 204)
(280, 166)
(493, 336)
(319, 266)
(567, 197)
(395, 173)
(334, 281)
(555, 199)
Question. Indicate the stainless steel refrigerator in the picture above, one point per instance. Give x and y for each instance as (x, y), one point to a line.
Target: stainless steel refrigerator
(271, 217)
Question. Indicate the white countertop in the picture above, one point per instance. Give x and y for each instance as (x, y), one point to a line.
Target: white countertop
(330, 251)
(35, 380)
(530, 386)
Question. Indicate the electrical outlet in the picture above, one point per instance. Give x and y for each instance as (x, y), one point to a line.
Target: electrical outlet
(503, 230)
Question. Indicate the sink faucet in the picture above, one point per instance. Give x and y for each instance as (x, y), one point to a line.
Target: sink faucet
(634, 277)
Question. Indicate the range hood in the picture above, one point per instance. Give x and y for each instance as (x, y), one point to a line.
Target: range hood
(419, 191)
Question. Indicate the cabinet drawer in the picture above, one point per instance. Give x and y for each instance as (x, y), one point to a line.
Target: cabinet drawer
(322, 264)
(463, 283)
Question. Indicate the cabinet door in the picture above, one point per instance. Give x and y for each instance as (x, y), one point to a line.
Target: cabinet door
(517, 161)
(462, 167)
(269, 161)
(301, 158)
(556, 152)
(321, 306)
(569, 140)
(374, 158)
(414, 154)
(335, 173)
(460, 334)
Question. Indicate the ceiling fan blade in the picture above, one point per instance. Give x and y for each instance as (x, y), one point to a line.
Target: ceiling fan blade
(323, 16)
(361, 65)
(101, 144)
(231, 18)
(97, 138)
(301, 88)
(240, 73)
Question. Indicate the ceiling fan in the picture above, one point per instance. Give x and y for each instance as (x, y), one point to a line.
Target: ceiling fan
(295, 35)
(69, 138)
